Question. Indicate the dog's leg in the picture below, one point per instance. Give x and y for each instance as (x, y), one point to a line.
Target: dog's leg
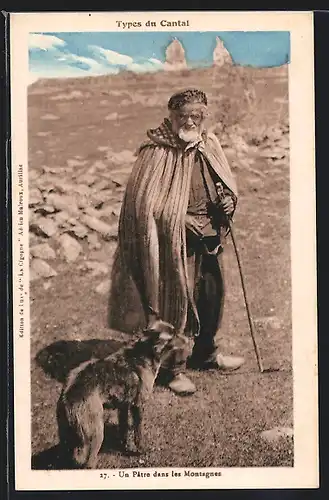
(88, 424)
(123, 414)
(67, 436)
(96, 442)
(137, 417)
(81, 427)
(96, 430)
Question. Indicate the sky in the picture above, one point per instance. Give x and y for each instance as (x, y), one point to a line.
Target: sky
(98, 53)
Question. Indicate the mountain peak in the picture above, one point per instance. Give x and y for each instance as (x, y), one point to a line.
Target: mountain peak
(175, 56)
(221, 55)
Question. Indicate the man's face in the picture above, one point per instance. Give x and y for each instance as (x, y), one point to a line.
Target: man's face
(188, 121)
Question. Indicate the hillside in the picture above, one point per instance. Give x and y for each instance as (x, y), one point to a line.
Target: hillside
(82, 137)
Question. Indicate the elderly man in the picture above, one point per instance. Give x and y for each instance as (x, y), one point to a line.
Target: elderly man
(170, 233)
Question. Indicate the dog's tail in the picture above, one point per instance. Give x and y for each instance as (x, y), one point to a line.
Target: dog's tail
(71, 433)
(81, 428)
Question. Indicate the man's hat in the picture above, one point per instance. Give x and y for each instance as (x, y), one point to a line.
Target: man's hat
(186, 97)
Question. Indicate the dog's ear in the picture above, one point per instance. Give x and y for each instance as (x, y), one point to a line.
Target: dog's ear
(158, 327)
(168, 328)
(162, 342)
(165, 336)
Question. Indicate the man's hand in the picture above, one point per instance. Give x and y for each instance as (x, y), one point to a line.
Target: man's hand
(227, 205)
(193, 225)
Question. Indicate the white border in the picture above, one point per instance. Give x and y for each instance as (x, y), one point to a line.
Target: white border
(304, 474)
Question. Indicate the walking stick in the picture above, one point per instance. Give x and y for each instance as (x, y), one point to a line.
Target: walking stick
(220, 192)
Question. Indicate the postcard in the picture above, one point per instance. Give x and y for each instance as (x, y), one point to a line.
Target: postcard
(164, 250)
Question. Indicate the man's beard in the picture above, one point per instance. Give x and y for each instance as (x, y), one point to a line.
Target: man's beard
(191, 135)
(188, 135)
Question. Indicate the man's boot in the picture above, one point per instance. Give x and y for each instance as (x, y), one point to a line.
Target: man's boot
(216, 362)
(182, 385)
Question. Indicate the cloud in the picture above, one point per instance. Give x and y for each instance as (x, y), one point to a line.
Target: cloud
(123, 61)
(144, 66)
(50, 57)
(61, 72)
(67, 71)
(111, 56)
(84, 63)
(155, 61)
(113, 59)
(44, 42)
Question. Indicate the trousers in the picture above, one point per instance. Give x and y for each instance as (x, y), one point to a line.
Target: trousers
(205, 272)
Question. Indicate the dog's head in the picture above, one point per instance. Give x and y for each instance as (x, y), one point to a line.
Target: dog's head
(164, 342)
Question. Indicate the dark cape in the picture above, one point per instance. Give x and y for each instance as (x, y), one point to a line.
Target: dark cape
(151, 260)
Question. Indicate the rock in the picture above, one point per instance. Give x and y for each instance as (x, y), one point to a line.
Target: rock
(34, 174)
(45, 210)
(274, 133)
(40, 269)
(33, 239)
(87, 179)
(56, 170)
(93, 241)
(83, 201)
(43, 251)
(112, 116)
(244, 162)
(73, 162)
(35, 197)
(110, 211)
(33, 219)
(175, 56)
(104, 287)
(49, 116)
(91, 170)
(74, 94)
(122, 171)
(124, 156)
(81, 189)
(273, 153)
(101, 197)
(61, 217)
(116, 210)
(239, 144)
(72, 220)
(92, 212)
(63, 186)
(63, 203)
(105, 253)
(70, 247)
(101, 185)
(43, 133)
(96, 267)
(78, 231)
(44, 183)
(33, 276)
(221, 55)
(100, 165)
(276, 434)
(229, 151)
(44, 227)
(108, 232)
(269, 322)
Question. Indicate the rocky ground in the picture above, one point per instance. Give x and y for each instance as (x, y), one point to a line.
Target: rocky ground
(82, 139)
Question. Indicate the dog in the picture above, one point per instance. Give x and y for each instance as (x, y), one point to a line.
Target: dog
(123, 381)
